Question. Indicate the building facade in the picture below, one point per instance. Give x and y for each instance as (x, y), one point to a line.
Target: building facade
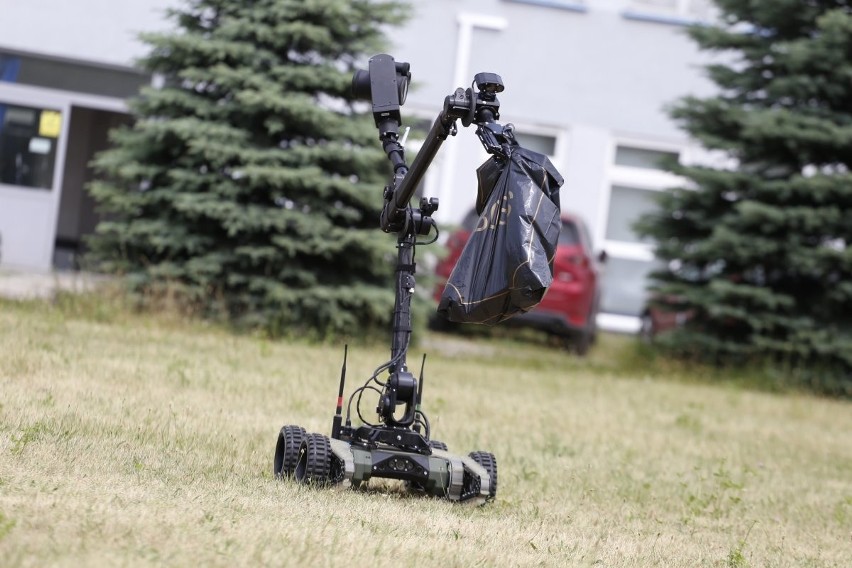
(586, 82)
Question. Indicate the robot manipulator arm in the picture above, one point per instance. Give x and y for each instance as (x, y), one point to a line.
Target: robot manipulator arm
(385, 84)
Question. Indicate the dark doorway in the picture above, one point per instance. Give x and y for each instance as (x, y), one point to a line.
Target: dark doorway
(88, 134)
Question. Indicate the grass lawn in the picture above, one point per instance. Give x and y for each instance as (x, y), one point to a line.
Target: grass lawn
(141, 440)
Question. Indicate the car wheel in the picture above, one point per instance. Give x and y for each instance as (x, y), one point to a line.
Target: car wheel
(583, 342)
(586, 338)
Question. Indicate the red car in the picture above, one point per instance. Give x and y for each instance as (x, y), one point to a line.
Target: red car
(570, 306)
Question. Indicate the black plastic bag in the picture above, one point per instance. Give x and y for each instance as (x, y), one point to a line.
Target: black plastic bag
(507, 264)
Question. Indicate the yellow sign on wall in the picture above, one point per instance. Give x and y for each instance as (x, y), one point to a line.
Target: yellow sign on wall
(50, 123)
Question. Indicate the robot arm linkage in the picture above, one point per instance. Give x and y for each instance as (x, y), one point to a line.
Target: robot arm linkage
(385, 84)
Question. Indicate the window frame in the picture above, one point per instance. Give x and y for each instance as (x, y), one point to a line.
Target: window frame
(570, 5)
(635, 178)
(642, 179)
(53, 139)
(684, 12)
(559, 135)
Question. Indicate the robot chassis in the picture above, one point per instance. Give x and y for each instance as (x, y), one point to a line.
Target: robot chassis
(401, 446)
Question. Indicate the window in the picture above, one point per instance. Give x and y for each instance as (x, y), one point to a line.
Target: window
(28, 139)
(10, 66)
(624, 286)
(626, 205)
(635, 180)
(572, 5)
(105, 80)
(642, 158)
(683, 10)
(537, 143)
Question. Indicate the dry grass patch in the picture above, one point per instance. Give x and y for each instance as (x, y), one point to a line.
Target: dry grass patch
(128, 440)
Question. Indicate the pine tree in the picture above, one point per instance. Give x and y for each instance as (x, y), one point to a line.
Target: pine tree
(247, 180)
(760, 254)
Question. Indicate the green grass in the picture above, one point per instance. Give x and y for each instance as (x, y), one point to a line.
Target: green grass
(147, 440)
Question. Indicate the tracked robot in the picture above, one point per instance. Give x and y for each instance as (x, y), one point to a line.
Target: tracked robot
(400, 446)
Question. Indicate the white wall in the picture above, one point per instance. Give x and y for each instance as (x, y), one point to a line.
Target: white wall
(588, 77)
(559, 66)
(103, 31)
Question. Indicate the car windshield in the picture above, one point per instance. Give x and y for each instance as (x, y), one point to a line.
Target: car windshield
(569, 234)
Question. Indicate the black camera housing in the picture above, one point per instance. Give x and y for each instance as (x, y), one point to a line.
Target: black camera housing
(385, 84)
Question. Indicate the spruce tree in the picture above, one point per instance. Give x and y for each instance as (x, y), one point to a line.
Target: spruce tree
(247, 180)
(760, 251)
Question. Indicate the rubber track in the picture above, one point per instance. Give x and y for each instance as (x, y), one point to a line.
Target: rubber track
(489, 462)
